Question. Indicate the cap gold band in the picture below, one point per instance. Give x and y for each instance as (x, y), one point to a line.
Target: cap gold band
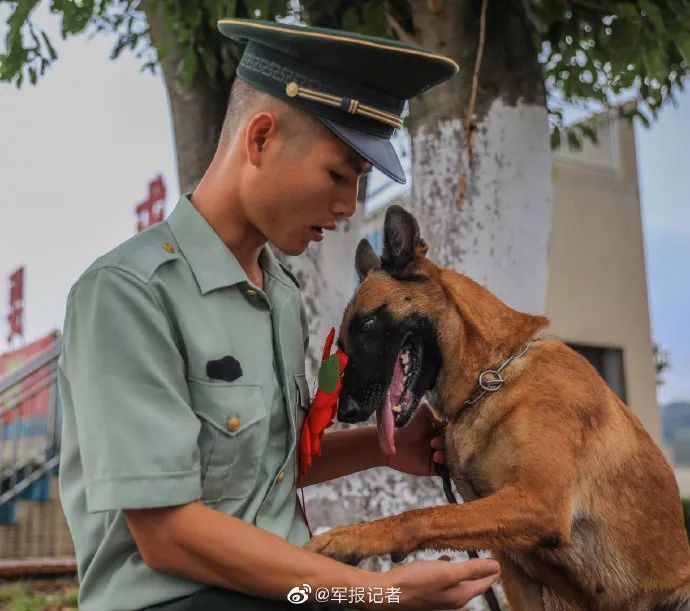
(354, 107)
(341, 38)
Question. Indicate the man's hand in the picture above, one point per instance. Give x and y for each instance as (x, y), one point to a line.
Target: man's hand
(425, 585)
(418, 446)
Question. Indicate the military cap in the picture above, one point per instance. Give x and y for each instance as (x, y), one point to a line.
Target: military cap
(357, 85)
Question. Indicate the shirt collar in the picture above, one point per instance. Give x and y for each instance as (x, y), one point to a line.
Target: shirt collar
(213, 264)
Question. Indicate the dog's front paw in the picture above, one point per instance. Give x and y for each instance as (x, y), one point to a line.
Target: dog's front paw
(341, 543)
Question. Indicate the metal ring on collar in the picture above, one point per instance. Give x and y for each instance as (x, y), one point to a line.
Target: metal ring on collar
(490, 385)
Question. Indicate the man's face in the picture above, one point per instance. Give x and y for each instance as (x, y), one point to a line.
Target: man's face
(303, 191)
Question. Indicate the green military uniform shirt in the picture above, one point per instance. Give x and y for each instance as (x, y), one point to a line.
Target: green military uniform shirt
(145, 426)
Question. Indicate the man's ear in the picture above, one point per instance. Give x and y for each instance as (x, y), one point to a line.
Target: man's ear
(366, 259)
(260, 128)
(400, 239)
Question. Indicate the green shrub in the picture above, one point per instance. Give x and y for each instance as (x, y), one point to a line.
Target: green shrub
(19, 597)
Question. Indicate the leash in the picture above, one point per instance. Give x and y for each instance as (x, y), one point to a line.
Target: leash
(489, 380)
(489, 595)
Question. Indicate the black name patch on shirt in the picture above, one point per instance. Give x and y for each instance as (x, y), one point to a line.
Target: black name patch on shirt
(227, 368)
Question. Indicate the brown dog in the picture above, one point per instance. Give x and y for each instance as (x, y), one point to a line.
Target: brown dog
(563, 483)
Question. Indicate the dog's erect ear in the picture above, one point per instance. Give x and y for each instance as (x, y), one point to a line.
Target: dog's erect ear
(400, 238)
(366, 259)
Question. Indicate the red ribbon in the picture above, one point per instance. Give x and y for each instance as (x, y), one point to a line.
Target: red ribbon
(321, 414)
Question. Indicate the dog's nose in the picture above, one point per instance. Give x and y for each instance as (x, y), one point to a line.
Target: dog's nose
(348, 411)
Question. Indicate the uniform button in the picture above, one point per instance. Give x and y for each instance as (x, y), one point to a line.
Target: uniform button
(233, 424)
(168, 247)
(281, 476)
(251, 292)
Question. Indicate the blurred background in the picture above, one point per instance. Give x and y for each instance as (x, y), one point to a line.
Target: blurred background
(554, 169)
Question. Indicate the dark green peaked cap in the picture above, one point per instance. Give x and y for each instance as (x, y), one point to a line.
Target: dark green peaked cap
(356, 85)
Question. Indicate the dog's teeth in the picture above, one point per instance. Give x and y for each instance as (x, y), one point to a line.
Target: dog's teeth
(396, 408)
(404, 358)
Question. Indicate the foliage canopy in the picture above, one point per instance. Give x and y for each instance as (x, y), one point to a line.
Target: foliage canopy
(590, 50)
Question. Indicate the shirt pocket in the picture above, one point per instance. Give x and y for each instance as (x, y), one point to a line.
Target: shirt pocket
(232, 439)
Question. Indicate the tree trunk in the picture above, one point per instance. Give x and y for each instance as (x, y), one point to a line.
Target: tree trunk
(498, 234)
(197, 111)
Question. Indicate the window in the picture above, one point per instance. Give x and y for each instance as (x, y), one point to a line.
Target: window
(608, 362)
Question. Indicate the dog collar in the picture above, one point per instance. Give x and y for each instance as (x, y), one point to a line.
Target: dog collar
(490, 380)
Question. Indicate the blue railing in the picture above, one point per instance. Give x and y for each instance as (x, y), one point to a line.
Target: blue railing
(30, 421)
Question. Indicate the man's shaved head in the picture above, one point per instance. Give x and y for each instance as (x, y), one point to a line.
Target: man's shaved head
(279, 175)
(300, 129)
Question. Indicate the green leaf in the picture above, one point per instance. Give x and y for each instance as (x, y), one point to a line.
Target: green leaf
(555, 138)
(643, 119)
(164, 48)
(351, 18)
(653, 14)
(225, 9)
(574, 142)
(210, 63)
(259, 9)
(37, 43)
(51, 50)
(328, 374)
(589, 130)
(187, 67)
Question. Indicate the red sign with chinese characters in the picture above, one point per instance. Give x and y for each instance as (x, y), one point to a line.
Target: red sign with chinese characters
(15, 317)
(152, 209)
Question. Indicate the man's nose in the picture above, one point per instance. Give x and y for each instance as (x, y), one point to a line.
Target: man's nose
(346, 204)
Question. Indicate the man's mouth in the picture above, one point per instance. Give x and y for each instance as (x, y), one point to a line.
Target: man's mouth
(317, 230)
(399, 398)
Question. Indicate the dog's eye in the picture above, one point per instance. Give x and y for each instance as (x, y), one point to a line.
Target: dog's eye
(368, 324)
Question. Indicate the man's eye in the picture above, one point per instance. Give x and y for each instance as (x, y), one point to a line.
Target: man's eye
(338, 178)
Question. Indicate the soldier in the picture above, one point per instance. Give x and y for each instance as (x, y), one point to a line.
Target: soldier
(182, 374)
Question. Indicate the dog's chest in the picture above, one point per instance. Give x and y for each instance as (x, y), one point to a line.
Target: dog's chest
(466, 462)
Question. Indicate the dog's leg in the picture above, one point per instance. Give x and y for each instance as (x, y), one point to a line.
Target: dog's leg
(521, 592)
(512, 519)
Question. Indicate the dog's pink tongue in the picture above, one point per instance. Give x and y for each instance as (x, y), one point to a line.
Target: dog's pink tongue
(384, 425)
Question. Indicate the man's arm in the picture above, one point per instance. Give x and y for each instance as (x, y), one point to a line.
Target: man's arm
(344, 452)
(201, 544)
(418, 446)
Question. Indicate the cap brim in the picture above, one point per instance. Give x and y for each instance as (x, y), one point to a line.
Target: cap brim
(378, 151)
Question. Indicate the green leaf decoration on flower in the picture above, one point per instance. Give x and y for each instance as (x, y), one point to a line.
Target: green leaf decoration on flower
(328, 374)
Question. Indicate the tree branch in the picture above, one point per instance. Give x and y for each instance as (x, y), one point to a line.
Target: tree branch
(469, 123)
(395, 24)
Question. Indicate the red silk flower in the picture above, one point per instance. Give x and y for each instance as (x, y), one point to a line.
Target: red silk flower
(322, 411)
